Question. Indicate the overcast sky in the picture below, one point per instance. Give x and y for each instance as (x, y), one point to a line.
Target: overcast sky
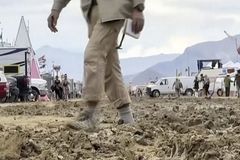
(171, 25)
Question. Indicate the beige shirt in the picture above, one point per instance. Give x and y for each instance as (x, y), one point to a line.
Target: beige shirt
(109, 10)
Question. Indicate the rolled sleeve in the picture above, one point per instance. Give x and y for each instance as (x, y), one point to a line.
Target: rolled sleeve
(59, 4)
(137, 2)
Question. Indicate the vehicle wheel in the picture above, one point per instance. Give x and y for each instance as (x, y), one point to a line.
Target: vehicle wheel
(220, 92)
(155, 93)
(189, 92)
(33, 96)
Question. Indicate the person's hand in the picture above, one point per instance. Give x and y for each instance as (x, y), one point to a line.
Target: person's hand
(238, 50)
(138, 21)
(52, 20)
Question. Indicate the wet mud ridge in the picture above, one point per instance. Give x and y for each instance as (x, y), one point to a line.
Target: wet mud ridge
(179, 129)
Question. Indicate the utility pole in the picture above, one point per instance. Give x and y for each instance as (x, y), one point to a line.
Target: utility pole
(1, 35)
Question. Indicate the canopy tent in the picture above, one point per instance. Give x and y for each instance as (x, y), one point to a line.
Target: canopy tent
(23, 41)
(231, 64)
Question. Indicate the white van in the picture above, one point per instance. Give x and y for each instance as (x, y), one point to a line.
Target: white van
(165, 86)
(220, 88)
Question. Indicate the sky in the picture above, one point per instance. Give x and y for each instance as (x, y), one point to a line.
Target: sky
(170, 25)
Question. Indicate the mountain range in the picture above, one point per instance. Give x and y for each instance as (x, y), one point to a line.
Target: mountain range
(141, 70)
(225, 50)
(72, 62)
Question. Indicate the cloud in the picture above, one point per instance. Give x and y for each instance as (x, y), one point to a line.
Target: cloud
(171, 25)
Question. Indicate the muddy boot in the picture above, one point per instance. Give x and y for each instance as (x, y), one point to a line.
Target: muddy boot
(125, 115)
(85, 121)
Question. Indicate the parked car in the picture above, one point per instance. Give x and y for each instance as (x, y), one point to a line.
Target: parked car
(4, 87)
(38, 88)
(164, 86)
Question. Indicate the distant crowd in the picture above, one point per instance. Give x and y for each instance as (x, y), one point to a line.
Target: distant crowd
(201, 87)
(227, 85)
(60, 89)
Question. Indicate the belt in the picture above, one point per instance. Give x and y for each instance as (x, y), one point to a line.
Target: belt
(94, 2)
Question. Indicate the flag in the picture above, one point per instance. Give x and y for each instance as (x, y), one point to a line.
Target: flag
(42, 61)
(42, 66)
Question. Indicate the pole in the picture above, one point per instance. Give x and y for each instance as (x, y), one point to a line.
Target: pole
(2, 36)
(188, 71)
(236, 41)
(26, 53)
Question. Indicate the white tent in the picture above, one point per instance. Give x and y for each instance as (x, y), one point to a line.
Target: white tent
(237, 65)
(229, 64)
(22, 39)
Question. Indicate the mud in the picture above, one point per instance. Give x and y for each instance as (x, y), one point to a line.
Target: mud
(165, 129)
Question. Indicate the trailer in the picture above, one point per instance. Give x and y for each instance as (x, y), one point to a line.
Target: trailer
(15, 62)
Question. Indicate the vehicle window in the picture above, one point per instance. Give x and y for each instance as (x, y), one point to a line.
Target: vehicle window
(164, 82)
(0, 79)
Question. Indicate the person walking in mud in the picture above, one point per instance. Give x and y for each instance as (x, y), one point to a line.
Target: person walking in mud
(65, 85)
(101, 62)
(196, 86)
(178, 86)
(58, 88)
(237, 82)
(201, 84)
(206, 84)
(227, 84)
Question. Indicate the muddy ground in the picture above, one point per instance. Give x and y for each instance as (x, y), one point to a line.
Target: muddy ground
(180, 129)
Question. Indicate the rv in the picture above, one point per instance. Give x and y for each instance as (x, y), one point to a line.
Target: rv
(165, 86)
(18, 61)
(14, 62)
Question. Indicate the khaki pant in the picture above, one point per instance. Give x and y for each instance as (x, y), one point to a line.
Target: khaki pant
(178, 92)
(102, 70)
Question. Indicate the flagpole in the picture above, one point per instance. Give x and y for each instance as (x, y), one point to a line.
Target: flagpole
(1, 36)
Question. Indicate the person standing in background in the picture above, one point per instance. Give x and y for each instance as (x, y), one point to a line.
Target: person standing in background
(196, 86)
(178, 86)
(58, 88)
(206, 84)
(237, 82)
(227, 84)
(65, 85)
